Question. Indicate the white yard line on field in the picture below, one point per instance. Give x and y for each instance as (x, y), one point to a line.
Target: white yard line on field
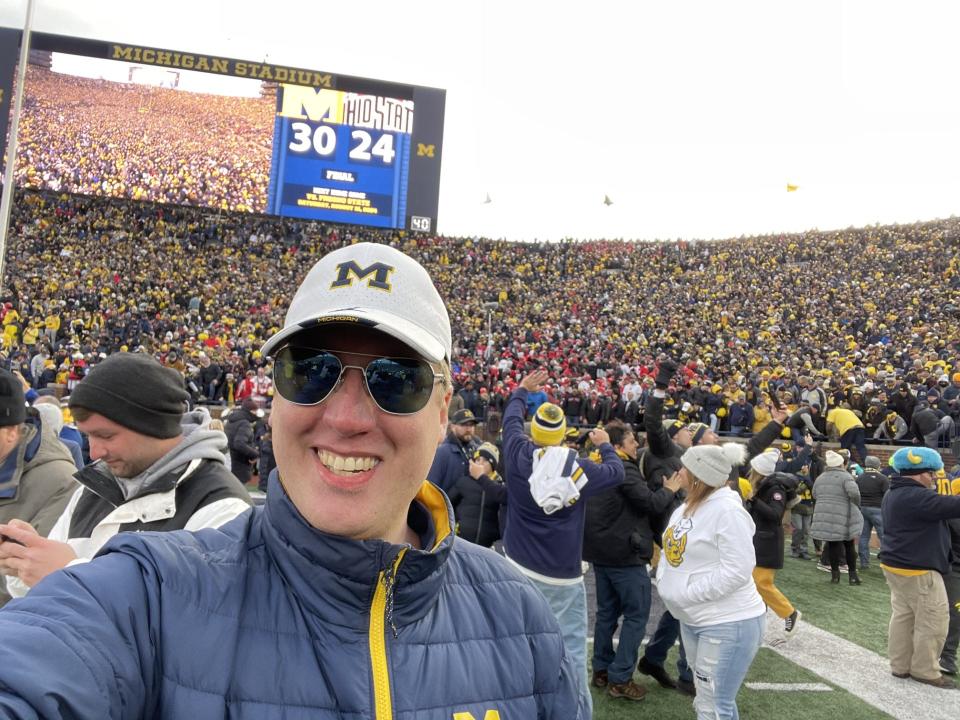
(862, 672)
(790, 687)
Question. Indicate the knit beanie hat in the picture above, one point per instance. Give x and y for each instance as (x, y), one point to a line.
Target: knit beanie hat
(135, 391)
(673, 427)
(834, 460)
(697, 431)
(490, 452)
(766, 462)
(711, 464)
(549, 425)
(13, 409)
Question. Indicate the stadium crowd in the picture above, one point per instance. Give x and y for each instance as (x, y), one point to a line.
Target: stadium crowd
(865, 318)
(789, 337)
(103, 138)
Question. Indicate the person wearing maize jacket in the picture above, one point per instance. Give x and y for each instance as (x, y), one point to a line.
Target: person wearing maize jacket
(349, 584)
(773, 494)
(546, 486)
(915, 555)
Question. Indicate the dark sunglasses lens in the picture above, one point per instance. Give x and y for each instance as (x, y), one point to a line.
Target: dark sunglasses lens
(305, 376)
(400, 385)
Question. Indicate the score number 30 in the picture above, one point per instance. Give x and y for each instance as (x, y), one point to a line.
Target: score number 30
(323, 140)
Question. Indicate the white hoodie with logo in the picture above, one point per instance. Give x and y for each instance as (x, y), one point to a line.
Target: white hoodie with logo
(705, 575)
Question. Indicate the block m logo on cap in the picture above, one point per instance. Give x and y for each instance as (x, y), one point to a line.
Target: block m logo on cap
(378, 274)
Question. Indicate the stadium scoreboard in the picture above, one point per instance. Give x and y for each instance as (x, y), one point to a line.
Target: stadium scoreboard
(344, 149)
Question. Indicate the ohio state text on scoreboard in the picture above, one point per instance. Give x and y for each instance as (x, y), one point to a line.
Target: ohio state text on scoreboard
(343, 156)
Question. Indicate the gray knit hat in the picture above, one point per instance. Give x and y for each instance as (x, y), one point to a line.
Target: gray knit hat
(134, 391)
(711, 464)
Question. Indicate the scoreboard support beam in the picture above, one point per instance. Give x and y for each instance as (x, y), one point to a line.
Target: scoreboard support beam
(6, 201)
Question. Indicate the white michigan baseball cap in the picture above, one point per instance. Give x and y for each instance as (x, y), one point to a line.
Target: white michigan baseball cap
(375, 286)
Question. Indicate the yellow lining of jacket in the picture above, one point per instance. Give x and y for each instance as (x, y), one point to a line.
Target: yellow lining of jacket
(435, 503)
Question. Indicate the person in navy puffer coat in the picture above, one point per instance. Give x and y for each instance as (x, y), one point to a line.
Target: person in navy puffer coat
(347, 595)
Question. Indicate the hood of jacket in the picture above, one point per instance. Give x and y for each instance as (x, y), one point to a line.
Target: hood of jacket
(198, 442)
(38, 446)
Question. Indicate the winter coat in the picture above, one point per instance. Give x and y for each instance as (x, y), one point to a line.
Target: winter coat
(36, 481)
(915, 536)
(767, 506)
(617, 532)
(477, 506)
(658, 461)
(451, 462)
(268, 617)
(243, 448)
(836, 512)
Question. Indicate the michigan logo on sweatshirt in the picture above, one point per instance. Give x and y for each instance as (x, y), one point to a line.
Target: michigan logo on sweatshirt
(675, 541)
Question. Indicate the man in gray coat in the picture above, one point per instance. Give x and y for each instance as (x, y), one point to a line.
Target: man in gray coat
(36, 470)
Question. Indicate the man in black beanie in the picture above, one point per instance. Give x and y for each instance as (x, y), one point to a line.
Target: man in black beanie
(154, 468)
(36, 471)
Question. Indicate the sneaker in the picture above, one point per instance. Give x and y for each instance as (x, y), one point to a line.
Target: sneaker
(804, 556)
(686, 687)
(599, 679)
(821, 566)
(843, 568)
(940, 682)
(790, 623)
(656, 672)
(629, 690)
(947, 669)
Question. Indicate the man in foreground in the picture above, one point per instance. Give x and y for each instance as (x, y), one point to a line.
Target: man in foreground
(348, 584)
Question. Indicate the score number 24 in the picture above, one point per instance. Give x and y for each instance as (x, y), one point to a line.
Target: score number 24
(323, 140)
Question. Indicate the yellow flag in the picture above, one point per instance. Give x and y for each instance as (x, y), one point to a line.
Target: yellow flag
(792, 188)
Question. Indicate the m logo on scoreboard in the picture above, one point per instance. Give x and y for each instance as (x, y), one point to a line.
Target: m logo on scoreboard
(426, 150)
(348, 271)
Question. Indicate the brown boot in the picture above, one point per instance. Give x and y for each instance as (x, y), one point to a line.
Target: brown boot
(629, 690)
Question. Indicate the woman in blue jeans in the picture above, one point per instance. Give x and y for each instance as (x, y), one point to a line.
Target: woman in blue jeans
(705, 578)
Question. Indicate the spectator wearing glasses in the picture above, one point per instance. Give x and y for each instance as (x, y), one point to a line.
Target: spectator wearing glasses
(349, 582)
(915, 557)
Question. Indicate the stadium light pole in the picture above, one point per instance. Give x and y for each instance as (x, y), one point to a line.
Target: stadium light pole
(6, 200)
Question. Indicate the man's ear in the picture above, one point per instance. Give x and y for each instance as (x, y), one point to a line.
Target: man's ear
(444, 409)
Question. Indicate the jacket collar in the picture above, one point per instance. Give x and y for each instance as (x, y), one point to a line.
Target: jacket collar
(335, 577)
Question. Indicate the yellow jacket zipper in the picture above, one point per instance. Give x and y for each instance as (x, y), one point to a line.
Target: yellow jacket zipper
(379, 611)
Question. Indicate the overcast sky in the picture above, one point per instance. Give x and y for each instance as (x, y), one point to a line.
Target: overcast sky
(691, 116)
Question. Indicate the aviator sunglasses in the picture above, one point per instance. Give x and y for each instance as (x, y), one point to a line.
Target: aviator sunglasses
(398, 385)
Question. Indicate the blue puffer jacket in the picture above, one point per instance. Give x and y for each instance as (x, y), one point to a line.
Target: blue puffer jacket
(269, 618)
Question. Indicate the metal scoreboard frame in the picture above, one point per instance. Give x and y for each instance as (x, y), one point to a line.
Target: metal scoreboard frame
(345, 149)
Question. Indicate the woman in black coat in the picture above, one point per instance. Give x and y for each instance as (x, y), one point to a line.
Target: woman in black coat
(773, 493)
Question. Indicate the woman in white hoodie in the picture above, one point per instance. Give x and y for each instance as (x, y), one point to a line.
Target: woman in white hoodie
(705, 578)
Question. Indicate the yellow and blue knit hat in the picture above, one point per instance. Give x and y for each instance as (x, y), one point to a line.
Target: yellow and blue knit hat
(549, 426)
